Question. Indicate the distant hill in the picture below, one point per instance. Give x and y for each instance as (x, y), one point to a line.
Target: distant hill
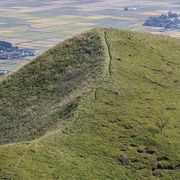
(10, 52)
(167, 21)
(4, 44)
(101, 105)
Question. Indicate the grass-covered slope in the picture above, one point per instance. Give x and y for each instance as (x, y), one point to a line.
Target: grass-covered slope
(34, 99)
(123, 125)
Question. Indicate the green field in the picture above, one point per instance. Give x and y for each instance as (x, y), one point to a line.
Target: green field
(102, 105)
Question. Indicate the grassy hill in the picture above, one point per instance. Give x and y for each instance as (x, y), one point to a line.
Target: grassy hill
(102, 105)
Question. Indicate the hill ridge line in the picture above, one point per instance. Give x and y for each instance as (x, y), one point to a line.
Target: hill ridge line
(108, 53)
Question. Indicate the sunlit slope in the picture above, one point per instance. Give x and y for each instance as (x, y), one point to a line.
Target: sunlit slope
(124, 125)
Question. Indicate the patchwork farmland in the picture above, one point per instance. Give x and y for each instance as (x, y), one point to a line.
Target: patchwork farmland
(42, 24)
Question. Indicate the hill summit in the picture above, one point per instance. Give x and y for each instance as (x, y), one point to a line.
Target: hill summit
(101, 105)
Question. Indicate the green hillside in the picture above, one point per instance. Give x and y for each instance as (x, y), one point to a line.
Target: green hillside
(102, 105)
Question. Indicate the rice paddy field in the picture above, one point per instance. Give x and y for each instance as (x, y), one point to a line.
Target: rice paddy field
(42, 24)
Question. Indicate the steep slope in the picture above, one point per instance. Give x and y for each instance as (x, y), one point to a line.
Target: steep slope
(34, 99)
(124, 125)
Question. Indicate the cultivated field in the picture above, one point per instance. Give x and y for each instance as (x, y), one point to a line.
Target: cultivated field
(102, 105)
(42, 24)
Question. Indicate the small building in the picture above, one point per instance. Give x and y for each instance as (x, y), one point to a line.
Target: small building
(130, 9)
